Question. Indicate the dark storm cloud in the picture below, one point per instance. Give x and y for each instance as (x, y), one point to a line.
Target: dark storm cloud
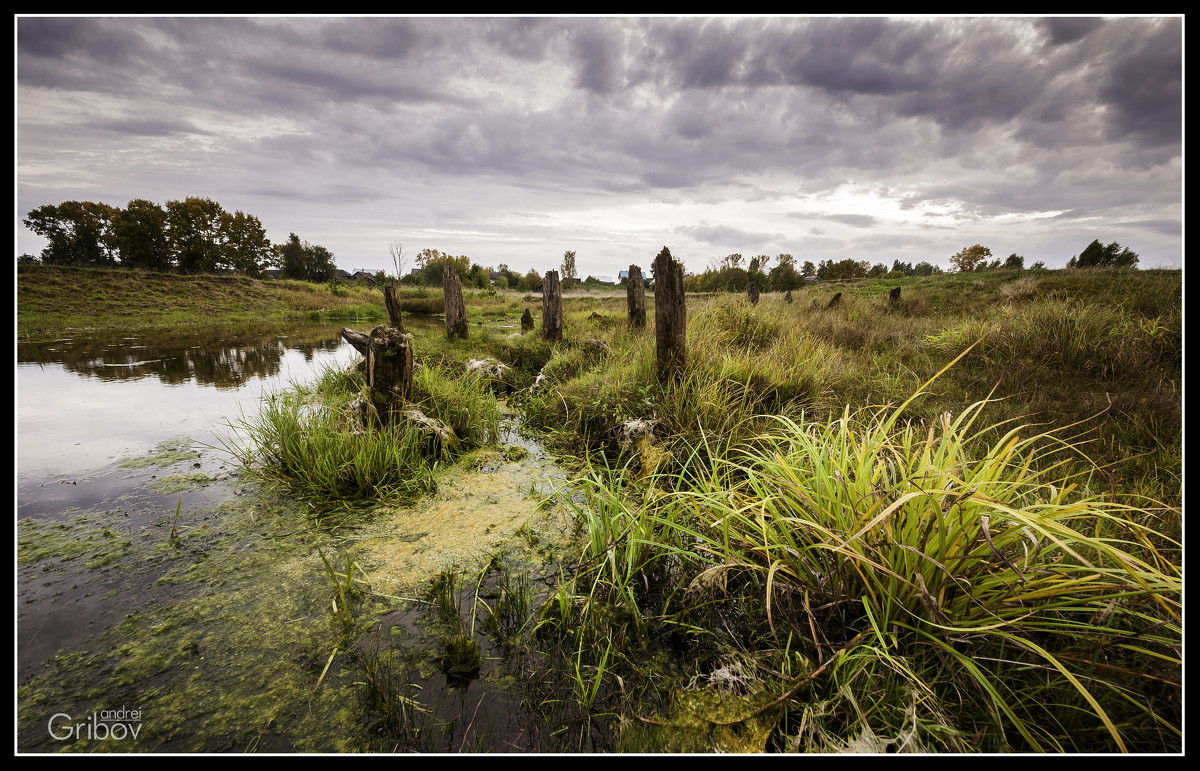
(149, 127)
(597, 53)
(981, 117)
(1062, 30)
(388, 39)
(1143, 87)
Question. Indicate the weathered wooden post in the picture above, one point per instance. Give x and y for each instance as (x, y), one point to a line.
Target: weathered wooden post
(526, 321)
(837, 298)
(894, 295)
(635, 295)
(552, 318)
(389, 370)
(752, 293)
(788, 296)
(391, 304)
(456, 311)
(670, 317)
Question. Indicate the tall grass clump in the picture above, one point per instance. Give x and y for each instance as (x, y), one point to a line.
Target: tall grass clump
(1054, 616)
(960, 587)
(329, 445)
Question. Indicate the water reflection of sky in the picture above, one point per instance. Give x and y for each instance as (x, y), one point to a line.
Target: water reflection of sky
(71, 423)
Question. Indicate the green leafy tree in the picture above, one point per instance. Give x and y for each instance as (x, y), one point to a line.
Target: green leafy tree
(432, 263)
(784, 276)
(77, 232)
(1014, 262)
(140, 235)
(969, 258)
(845, 269)
(1114, 255)
(569, 271)
(478, 277)
(533, 280)
(291, 258)
(808, 269)
(245, 247)
(320, 263)
(194, 233)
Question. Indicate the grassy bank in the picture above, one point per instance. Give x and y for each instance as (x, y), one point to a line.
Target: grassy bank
(52, 301)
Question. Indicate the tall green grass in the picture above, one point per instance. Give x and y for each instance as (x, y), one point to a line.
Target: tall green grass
(966, 572)
(323, 442)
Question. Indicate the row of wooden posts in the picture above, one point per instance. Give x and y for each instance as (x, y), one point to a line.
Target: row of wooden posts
(389, 354)
(670, 310)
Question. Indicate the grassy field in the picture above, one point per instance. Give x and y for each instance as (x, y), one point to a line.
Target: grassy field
(53, 300)
(946, 523)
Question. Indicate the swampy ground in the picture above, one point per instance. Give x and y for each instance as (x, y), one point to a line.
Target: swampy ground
(945, 523)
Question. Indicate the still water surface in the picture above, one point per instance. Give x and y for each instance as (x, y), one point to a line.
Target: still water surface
(87, 402)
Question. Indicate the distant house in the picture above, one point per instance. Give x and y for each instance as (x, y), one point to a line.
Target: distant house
(272, 274)
(342, 275)
(496, 275)
(604, 279)
(363, 275)
(812, 279)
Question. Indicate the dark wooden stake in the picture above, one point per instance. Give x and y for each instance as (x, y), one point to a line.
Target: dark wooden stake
(391, 303)
(837, 298)
(552, 318)
(752, 293)
(788, 296)
(526, 321)
(456, 311)
(635, 293)
(894, 295)
(670, 318)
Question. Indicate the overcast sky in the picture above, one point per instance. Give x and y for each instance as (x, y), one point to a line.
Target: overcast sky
(511, 140)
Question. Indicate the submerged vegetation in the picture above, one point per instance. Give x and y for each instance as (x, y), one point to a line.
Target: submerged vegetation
(945, 522)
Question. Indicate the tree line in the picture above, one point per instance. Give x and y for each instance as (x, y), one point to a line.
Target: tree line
(193, 235)
(733, 273)
(787, 273)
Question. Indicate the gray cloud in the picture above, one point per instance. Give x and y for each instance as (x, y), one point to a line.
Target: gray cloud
(980, 117)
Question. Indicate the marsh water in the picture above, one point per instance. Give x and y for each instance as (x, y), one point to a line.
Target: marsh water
(153, 581)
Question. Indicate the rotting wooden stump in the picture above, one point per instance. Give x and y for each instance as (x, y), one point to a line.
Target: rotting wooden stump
(635, 295)
(837, 298)
(670, 318)
(752, 294)
(391, 304)
(788, 297)
(894, 295)
(452, 298)
(526, 321)
(552, 318)
(389, 370)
